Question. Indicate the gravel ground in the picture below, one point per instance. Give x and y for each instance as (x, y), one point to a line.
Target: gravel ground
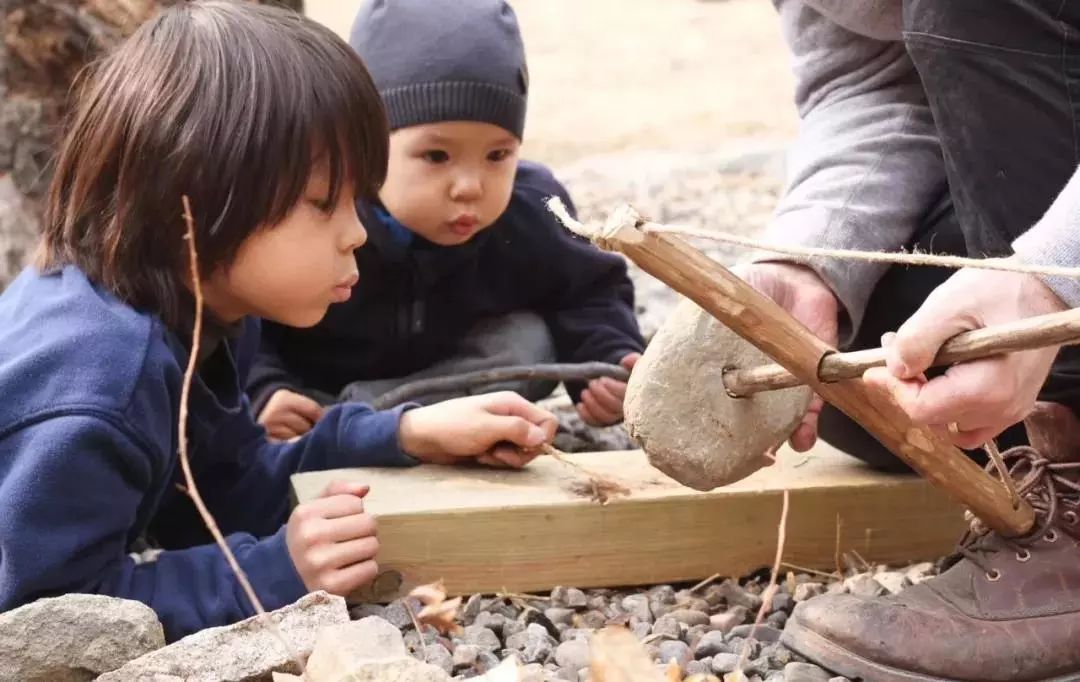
(734, 191)
(705, 628)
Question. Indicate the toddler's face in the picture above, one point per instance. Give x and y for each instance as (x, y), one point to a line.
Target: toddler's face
(291, 272)
(448, 181)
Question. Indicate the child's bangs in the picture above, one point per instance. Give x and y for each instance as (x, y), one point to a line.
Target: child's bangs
(325, 110)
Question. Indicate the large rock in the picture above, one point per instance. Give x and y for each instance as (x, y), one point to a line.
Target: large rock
(75, 637)
(247, 650)
(678, 409)
(342, 647)
(371, 649)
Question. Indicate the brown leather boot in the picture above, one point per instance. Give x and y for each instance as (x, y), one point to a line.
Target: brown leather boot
(1005, 610)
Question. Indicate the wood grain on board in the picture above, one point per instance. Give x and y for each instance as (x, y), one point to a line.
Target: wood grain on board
(485, 530)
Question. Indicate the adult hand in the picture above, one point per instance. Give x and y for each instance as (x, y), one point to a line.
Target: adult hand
(983, 397)
(799, 291)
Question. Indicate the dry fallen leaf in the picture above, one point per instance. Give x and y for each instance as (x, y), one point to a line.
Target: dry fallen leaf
(437, 612)
(432, 593)
(616, 656)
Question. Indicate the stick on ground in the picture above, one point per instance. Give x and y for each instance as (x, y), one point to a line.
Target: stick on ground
(460, 382)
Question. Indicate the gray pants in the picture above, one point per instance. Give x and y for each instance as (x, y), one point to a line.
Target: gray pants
(520, 338)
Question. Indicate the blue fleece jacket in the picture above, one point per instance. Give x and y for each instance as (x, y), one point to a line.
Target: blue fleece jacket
(89, 463)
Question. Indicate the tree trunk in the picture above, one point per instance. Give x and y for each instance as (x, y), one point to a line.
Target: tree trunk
(43, 45)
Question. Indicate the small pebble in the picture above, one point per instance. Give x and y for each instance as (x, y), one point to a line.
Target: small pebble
(532, 616)
(576, 599)
(666, 626)
(892, 581)
(493, 621)
(738, 645)
(665, 594)
(571, 634)
(675, 650)
(762, 633)
(693, 635)
(805, 672)
(689, 617)
(724, 622)
(864, 585)
(723, 663)
(711, 644)
(438, 656)
(777, 654)
(398, 615)
(486, 661)
(838, 678)
(734, 595)
(641, 630)
(592, 620)
(782, 601)
(804, 591)
(777, 619)
(560, 596)
(573, 655)
(466, 655)
(512, 627)
(638, 605)
(473, 607)
(695, 668)
(483, 638)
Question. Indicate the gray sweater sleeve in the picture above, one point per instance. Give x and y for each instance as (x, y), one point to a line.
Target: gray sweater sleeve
(1055, 240)
(866, 165)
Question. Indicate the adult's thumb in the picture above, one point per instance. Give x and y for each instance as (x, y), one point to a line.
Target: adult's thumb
(911, 351)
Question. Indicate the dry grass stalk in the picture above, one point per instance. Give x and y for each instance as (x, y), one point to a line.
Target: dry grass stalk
(596, 487)
(770, 591)
(185, 463)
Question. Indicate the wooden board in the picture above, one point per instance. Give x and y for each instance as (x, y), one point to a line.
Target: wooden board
(483, 530)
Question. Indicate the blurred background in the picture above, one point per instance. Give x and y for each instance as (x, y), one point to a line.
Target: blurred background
(617, 75)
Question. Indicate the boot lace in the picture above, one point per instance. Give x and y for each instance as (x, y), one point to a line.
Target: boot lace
(1053, 491)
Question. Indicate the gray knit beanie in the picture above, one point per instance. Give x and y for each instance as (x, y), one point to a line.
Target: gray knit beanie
(445, 60)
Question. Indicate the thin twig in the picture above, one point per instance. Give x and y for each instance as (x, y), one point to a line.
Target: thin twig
(770, 591)
(809, 571)
(419, 631)
(705, 583)
(601, 488)
(185, 462)
(836, 552)
(583, 371)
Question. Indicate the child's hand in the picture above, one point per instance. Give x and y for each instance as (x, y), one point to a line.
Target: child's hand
(497, 429)
(332, 541)
(288, 415)
(602, 402)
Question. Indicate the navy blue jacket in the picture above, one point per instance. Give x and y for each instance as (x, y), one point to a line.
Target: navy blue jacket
(88, 459)
(416, 301)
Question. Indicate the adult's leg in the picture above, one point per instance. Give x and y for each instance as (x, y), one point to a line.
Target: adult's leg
(999, 77)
